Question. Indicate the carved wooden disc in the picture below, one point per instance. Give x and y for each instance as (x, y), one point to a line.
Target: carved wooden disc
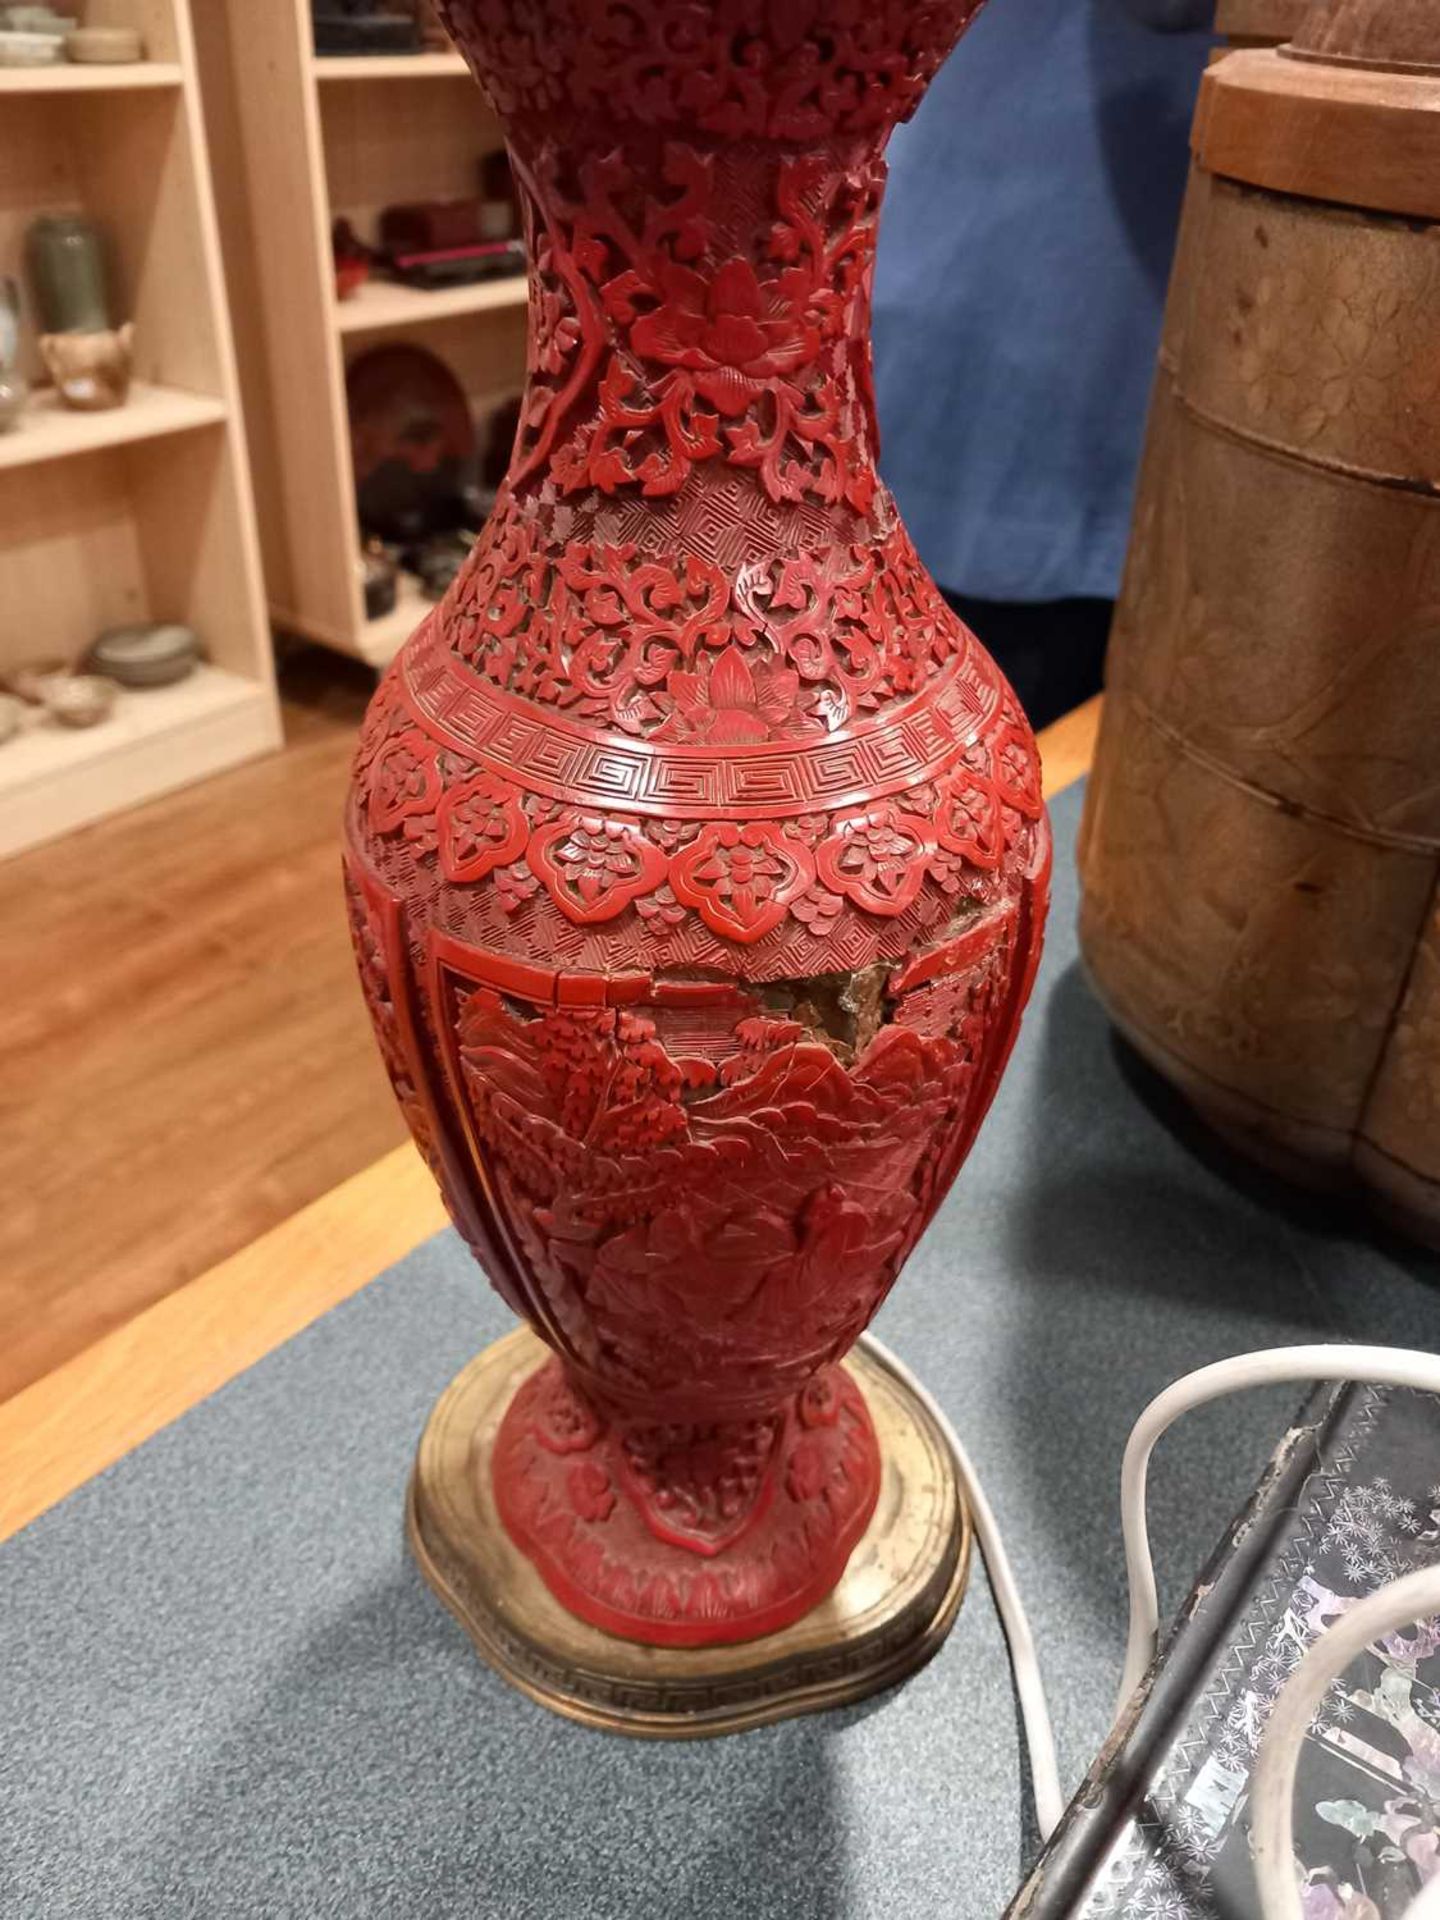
(892, 1609)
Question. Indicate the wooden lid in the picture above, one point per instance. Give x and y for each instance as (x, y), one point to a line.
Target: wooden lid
(1395, 35)
(1343, 127)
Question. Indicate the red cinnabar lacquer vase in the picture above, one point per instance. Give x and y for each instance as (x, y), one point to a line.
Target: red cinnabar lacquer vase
(696, 857)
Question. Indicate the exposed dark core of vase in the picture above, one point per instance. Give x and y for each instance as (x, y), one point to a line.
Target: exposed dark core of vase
(697, 862)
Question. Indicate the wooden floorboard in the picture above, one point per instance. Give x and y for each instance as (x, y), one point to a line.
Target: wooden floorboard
(186, 1057)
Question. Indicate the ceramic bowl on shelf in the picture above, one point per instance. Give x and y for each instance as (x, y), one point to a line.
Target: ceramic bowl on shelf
(78, 699)
(31, 49)
(147, 654)
(31, 677)
(104, 46)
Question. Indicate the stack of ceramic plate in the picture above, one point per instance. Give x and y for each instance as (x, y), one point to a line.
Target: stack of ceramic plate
(145, 656)
(32, 36)
(30, 49)
(104, 46)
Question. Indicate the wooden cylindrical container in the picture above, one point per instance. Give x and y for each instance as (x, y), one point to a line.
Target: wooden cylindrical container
(1259, 852)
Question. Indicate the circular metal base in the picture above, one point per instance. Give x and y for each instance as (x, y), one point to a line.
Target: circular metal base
(894, 1605)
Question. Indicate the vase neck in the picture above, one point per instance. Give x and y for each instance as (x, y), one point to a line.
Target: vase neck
(703, 179)
(700, 314)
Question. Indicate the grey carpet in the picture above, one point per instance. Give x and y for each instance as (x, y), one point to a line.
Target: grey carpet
(225, 1691)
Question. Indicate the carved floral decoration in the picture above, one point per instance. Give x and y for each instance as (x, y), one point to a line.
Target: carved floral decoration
(803, 645)
(877, 855)
(593, 867)
(739, 878)
(797, 70)
(404, 781)
(669, 335)
(480, 825)
(735, 704)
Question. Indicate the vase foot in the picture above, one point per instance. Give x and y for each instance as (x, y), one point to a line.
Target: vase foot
(893, 1604)
(684, 1535)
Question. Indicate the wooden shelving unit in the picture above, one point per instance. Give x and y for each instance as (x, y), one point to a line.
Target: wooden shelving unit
(395, 66)
(297, 140)
(144, 511)
(99, 79)
(381, 306)
(49, 430)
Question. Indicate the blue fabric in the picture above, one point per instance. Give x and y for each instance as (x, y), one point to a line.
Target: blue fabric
(1024, 253)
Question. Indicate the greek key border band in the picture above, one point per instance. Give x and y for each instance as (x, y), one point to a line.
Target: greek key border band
(548, 754)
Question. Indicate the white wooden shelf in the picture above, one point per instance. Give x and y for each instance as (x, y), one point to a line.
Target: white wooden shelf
(54, 778)
(49, 430)
(382, 305)
(389, 66)
(72, 77)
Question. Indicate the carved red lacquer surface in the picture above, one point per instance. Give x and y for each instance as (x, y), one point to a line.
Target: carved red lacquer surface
(697, 862)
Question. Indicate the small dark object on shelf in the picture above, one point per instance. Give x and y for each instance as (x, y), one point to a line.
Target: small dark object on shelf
(351, 26)
(380, 579)
(440, 559)
(413, 443)
(423, 226)
(438, 243)
(460, 266)
(352, 259)
(69, 274)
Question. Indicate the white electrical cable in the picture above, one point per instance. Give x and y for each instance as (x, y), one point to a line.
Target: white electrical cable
(1272, 1791)
(1034, 1713)
(1382, 1366)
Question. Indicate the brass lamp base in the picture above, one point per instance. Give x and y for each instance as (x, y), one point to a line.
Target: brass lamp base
(894, 1605)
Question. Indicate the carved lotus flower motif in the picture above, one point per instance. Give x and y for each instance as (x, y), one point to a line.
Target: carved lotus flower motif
(736, 704)
(735, 332)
